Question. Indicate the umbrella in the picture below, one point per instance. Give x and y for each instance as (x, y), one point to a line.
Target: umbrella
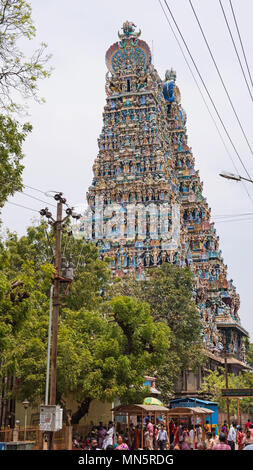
(152, 401)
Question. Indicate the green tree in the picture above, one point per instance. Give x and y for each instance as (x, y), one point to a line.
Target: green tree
(12, 136)
(215, 381)
(18, 74)
(169, 292)
(26, 263)
(249, 352)
(19, 77)
(99, 356)
(105, 347)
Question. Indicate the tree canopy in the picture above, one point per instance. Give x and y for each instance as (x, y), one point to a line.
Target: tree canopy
(215, 381)
(105, 344)
(19, 75)
(169, 292)
(12, 136)
(19, 79)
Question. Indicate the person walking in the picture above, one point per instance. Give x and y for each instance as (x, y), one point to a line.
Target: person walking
(209, 441)
(222, 443)
(247, 425)
(172, 428)
(150, 427)
(162, 437)
(207, 427)
(199, 433)
(155, 438)
(240, 438)
(185, 444)
(224, 428)
(109, 437)
(137, 437)
(192, 437)
(232, 436)
(101, 435)
(249, 435)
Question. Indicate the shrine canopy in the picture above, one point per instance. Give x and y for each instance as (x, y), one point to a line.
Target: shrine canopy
(181, 411)
(140, 409)
(193, 413)
(143, 411)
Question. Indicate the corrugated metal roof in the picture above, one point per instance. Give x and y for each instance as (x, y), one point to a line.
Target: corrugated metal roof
(185, 410)
(195, 400)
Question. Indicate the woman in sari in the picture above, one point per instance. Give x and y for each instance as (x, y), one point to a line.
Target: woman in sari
(121, 445)
(240, 438)
(186, 440)
(137, 437)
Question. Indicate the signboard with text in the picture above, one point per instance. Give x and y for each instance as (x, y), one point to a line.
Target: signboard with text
(50, 418)
(237, 392)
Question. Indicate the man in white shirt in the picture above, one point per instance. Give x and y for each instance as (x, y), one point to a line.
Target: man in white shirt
(232, 436)
(108, 440)
(162, 437)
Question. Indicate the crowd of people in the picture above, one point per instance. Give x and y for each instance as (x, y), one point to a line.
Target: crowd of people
(155, 437)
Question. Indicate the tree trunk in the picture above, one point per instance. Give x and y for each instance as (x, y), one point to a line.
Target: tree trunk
(81, 412)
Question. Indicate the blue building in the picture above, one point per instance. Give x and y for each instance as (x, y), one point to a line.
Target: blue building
(193, 402)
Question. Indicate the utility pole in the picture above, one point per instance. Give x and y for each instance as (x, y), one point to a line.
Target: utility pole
(56, 302)
(56, 309)
(226, 378)
(58, 225)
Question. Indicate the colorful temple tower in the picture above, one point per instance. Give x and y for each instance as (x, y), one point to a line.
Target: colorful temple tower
(146, 205)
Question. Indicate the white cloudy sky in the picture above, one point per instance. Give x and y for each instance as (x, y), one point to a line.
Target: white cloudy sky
(63, 145)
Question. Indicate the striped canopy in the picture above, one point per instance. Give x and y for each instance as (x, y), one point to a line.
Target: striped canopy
(152, 401)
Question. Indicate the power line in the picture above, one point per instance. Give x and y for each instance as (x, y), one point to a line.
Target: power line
(194, 78)
(208, 93)
(232, 215)
(37, 199)
(35, 189)
(24, 207)
(234, 220)
(208, 109)
(236, 51)
(221, 79)
(244, 55)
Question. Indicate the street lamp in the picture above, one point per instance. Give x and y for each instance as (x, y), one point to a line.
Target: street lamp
(232, 176)
(25, 404)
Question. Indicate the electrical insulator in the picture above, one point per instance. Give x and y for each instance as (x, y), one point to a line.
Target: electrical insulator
(58, 196)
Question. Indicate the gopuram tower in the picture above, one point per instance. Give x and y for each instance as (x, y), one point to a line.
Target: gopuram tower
(146, 205)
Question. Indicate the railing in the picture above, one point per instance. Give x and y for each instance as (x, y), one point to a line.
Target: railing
(34, 434)
(6, 435)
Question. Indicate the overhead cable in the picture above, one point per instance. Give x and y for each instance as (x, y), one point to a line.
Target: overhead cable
(36, 198)
(234, 220)
(220, 76)
(208, 109)
(207, 91)
(24, 207)
(35, 189)
(235, 48)
(195, 80)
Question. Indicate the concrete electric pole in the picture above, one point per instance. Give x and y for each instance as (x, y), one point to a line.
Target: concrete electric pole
(58, 225)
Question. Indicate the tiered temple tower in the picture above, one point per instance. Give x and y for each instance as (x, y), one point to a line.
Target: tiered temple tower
(146, 205)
